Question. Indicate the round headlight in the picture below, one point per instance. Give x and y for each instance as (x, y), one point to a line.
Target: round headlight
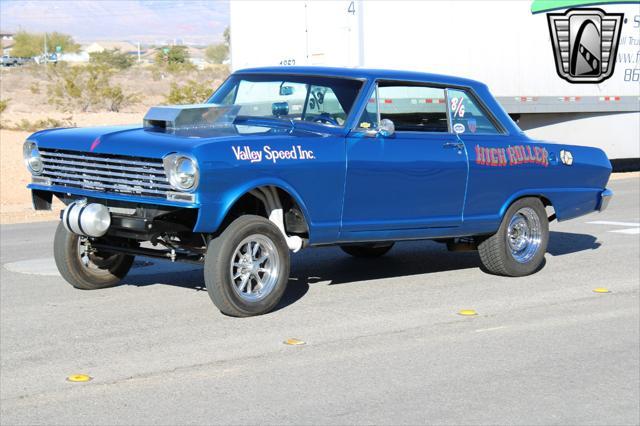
(182, 171)
(32, 158)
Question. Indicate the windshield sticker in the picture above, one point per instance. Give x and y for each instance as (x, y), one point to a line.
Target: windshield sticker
(458, 128)
(472, 125)
(512, 156)
(267, 153)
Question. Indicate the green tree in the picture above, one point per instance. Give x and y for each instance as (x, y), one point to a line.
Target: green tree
(217, 53)
(227, 36)
(31, 44)
(112, 58)
(170, 55)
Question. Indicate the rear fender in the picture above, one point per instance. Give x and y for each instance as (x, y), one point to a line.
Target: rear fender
(567, 203)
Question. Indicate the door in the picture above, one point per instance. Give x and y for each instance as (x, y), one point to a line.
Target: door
(414, 179)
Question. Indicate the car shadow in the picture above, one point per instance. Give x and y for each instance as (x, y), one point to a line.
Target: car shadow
(561, 243)
(331, 266)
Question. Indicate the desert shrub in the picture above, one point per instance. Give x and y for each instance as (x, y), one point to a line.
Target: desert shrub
(84, 88)
(162, 71)
(46, 123)
(172, 60)
(217, 53)
(112, 58)
(4, 103)
(192, 92)
(114, 98)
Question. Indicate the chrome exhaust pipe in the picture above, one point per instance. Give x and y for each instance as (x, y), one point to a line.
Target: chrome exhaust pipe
(89, 220)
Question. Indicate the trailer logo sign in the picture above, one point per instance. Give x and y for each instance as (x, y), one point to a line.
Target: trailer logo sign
(585, 43)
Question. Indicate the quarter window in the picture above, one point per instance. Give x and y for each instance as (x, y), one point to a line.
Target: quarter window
(467, 116)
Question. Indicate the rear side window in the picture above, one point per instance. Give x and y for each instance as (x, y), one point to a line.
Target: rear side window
(467, 117)
(411, 108)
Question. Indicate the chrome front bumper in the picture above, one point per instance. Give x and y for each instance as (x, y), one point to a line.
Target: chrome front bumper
(605, 197)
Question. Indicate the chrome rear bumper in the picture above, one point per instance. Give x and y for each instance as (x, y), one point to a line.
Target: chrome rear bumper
(605, 197)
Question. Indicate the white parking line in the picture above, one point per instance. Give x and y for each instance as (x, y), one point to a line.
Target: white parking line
(629, 231)
(490, 329)
(606, 222)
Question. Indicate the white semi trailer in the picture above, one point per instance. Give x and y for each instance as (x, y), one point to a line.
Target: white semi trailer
(502, 43)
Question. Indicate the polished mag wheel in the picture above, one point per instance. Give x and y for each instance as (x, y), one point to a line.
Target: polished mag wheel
(255, 265)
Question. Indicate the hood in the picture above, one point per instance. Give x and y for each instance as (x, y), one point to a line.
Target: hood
(134, 140)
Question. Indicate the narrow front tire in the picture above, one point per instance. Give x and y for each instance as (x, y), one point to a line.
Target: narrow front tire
(85, 268)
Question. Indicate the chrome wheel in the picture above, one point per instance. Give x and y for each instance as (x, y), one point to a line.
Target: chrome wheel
(254, 268)
(524, 234)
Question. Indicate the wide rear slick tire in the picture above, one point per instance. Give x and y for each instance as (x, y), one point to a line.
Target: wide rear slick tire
(367, 250)
(246, 268)
(87, 271)
(518, 248)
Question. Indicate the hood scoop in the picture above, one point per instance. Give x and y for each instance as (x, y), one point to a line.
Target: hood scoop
(189, 118)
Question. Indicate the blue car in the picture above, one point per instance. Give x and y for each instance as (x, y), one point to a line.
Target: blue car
(280, 159)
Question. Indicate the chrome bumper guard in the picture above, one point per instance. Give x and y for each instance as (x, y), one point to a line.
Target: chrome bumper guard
(605, 197)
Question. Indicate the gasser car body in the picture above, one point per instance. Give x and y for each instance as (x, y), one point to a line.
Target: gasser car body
(284, 158)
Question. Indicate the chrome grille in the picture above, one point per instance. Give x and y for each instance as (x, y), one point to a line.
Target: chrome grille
(106, 172)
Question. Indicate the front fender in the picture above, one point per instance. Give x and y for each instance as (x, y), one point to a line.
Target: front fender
(212, 214)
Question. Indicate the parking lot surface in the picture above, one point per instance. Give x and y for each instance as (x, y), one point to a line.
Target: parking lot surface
(384, 341)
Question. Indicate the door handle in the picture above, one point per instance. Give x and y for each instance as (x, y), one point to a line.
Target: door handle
(457, 145)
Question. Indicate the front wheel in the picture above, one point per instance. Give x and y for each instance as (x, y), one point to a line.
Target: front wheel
(518, 248)
(85, 268)
(246, 268)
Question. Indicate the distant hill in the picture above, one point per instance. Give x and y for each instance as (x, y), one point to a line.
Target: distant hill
(147, 21)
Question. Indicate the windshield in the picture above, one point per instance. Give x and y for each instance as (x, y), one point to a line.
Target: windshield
(322, 100)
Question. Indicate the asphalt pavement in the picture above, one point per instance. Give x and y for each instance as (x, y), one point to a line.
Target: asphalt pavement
(384, 343)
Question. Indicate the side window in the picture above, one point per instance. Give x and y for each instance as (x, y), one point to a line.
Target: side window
(411, 108)
(414, 108)
(467, 116)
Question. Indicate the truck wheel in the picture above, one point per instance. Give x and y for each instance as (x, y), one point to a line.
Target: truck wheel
(518, 248)
(246, 268)
(367, 250)
(86, 270)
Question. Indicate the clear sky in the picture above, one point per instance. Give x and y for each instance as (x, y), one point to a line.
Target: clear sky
(148, 21)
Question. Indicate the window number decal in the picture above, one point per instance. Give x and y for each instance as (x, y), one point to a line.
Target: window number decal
(352, 8)
(457, 108)
(288, 62)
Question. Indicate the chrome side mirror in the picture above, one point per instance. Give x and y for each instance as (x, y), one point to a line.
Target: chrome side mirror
(386, 128)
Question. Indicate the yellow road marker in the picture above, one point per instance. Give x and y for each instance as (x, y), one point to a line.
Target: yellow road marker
(294, 342)
(601, 290)
(79, 378)
(467, 312)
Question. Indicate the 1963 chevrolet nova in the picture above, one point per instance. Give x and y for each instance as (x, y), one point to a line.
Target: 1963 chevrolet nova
(280, 159)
